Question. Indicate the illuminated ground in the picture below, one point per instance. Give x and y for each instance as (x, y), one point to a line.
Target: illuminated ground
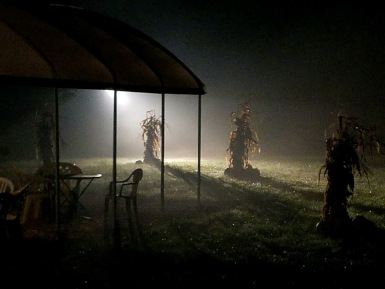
(241, 234)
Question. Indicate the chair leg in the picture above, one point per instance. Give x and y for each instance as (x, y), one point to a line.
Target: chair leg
(135, 208)
(106, 205)
(138, 225)
(14, 229)
(129, 219)
(3, 230)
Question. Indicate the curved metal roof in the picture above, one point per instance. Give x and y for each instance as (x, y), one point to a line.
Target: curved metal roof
(63, 46)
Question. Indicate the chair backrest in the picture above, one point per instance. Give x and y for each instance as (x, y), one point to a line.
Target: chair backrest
(133, 180)
(137, 175)
(8, 201)
(65, 168)
(6, 185)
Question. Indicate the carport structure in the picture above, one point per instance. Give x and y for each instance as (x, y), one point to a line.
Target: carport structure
(68, 47)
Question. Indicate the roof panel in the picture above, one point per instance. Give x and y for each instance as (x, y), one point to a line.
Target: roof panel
(72, 47)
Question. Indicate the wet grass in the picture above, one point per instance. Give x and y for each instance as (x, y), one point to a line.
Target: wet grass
(236, 233)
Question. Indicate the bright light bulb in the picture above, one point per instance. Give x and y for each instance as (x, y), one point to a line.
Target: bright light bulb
(123, 97)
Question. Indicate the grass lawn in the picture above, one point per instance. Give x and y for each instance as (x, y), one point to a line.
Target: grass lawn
(241, 234)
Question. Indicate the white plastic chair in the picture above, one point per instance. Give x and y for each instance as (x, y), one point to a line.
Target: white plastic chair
(10, 208)
(131, 182)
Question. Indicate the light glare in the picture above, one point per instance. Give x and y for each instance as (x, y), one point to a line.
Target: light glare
(123, 97)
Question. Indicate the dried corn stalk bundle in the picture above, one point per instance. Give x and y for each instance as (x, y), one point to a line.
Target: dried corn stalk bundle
(242, 142)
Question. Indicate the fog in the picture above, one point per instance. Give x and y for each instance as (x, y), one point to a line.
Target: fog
(87, 124)
(297, 68)
(285, 126)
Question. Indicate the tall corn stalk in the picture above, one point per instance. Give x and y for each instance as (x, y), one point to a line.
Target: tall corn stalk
(242, 142)
(344, 157)
(151, 136)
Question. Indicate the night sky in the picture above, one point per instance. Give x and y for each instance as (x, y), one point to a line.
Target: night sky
(296, 65)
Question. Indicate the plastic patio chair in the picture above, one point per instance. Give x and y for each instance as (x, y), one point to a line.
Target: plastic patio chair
(131, 182)
(65, 168)
(66, 186)
(11, 207)
(49, 171)
(6, 185)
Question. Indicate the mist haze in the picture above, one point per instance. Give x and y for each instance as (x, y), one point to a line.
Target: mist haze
(298, 66)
